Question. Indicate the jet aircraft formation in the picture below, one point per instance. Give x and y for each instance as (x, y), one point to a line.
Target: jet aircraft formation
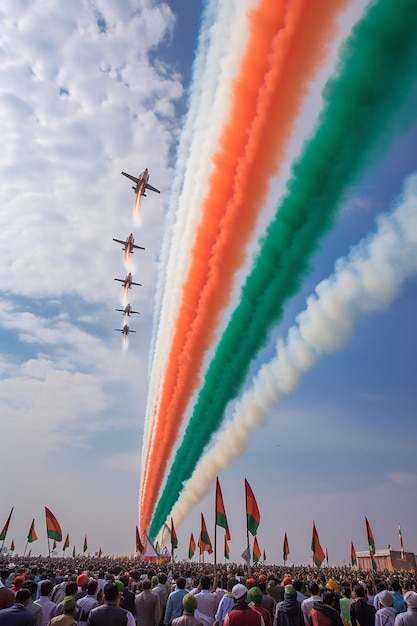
(141, 185)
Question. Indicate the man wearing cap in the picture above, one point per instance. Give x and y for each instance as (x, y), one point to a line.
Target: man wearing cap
(255, 597)
(67, 616)
(242, 614)
(189, 604)
(288, 612)
(409, 618)
(385, 615)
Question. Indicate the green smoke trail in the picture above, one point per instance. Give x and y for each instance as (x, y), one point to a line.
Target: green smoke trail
(376, 74)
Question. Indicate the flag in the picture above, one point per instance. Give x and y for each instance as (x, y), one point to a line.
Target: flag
(85, 547)
(174, 538)
(401, 542)
(139, 545)
(371, 542)
(264, 556)
(373, 562)
(256, 552)
(192, 547)
(204, 542)
(53, 529)
(327, 557)
(221, 519)
(353, 558)
(5, 528)
(226, 548)
(317, 550)
(100, 553)
(73, 552)
(285, 548)
(54, 545)
(246, 556)
(66, 542)
(253, 516)
(12, 546)
(32, 536)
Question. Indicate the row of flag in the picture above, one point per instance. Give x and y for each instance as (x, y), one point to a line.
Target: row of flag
(252, 522)
(53, 532)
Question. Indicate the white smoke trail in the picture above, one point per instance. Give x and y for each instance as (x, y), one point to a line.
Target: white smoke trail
(222, 43)
(368, 279)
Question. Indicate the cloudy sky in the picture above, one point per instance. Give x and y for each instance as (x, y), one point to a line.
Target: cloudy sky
(93, 88)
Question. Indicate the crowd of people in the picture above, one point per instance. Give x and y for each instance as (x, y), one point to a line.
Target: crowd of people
(112, 592)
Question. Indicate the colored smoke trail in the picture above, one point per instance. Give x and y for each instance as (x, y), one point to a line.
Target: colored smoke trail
(222, 40)
(284, 52)
(369, 279)
(377, 73)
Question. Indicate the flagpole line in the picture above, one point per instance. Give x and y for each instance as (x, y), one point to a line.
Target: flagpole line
(215, 534)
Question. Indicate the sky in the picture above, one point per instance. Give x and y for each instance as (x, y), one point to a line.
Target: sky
(96, 88)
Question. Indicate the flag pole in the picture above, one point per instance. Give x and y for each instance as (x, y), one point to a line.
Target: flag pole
(215, 533)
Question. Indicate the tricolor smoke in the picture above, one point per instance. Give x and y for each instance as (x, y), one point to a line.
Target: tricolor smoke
(376, 74)
(286, 47)
(368, 279)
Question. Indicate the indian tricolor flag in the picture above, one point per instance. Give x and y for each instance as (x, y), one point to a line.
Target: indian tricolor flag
(66, 542)
(12, 546)
(256, 552)
(253, 517)
(353, 558)
(53, 529)
(221, 519)
(285, 548)
(371, 541)
(192, 547)
(5, 528)
(32, 536)
(226, 549)
(204, 542)
(318, 554)
(85, 547)
(174, 538)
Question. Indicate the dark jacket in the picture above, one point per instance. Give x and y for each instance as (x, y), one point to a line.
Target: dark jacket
(362, 613)
(288, 612)
(107, 615)
(16, 615)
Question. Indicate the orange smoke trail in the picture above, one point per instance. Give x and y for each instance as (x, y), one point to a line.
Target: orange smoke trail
(279, 63)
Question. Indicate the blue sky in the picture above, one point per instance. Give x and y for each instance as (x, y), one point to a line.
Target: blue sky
(90, 90)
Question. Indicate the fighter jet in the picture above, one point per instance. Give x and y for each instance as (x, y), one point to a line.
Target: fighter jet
(127, 281)
(141, 182)
(127, 310)
(129, 244)
(125, 330)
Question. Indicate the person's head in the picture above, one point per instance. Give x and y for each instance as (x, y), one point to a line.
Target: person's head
(328, 597)
(289, 591)
(46, 587)
(395, 584)
(231, 583)
(189, 603)
(68, 604)
(18, 582)
(385, 598)
(297, 584)
(125, 580)
(71, 588)
(381, 586)
(410, 598)
(82, 580)
(287, 580)
(332, 584)
(205, 582)
(32, 586)
(239, 591)
(346, 592)
(255, 595)
(359, 591)
(92, 587)
(181, 582)
(111, 592)
(313, 588)
(146, 584)
(22, 596)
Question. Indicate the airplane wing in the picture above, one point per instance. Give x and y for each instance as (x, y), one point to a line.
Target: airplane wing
(119, 241)
(133, 331)
(135, 180)
(122, 280)
(148, 186)
(132, 283)
(119, 330)
(138, 247)
(121, 311)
